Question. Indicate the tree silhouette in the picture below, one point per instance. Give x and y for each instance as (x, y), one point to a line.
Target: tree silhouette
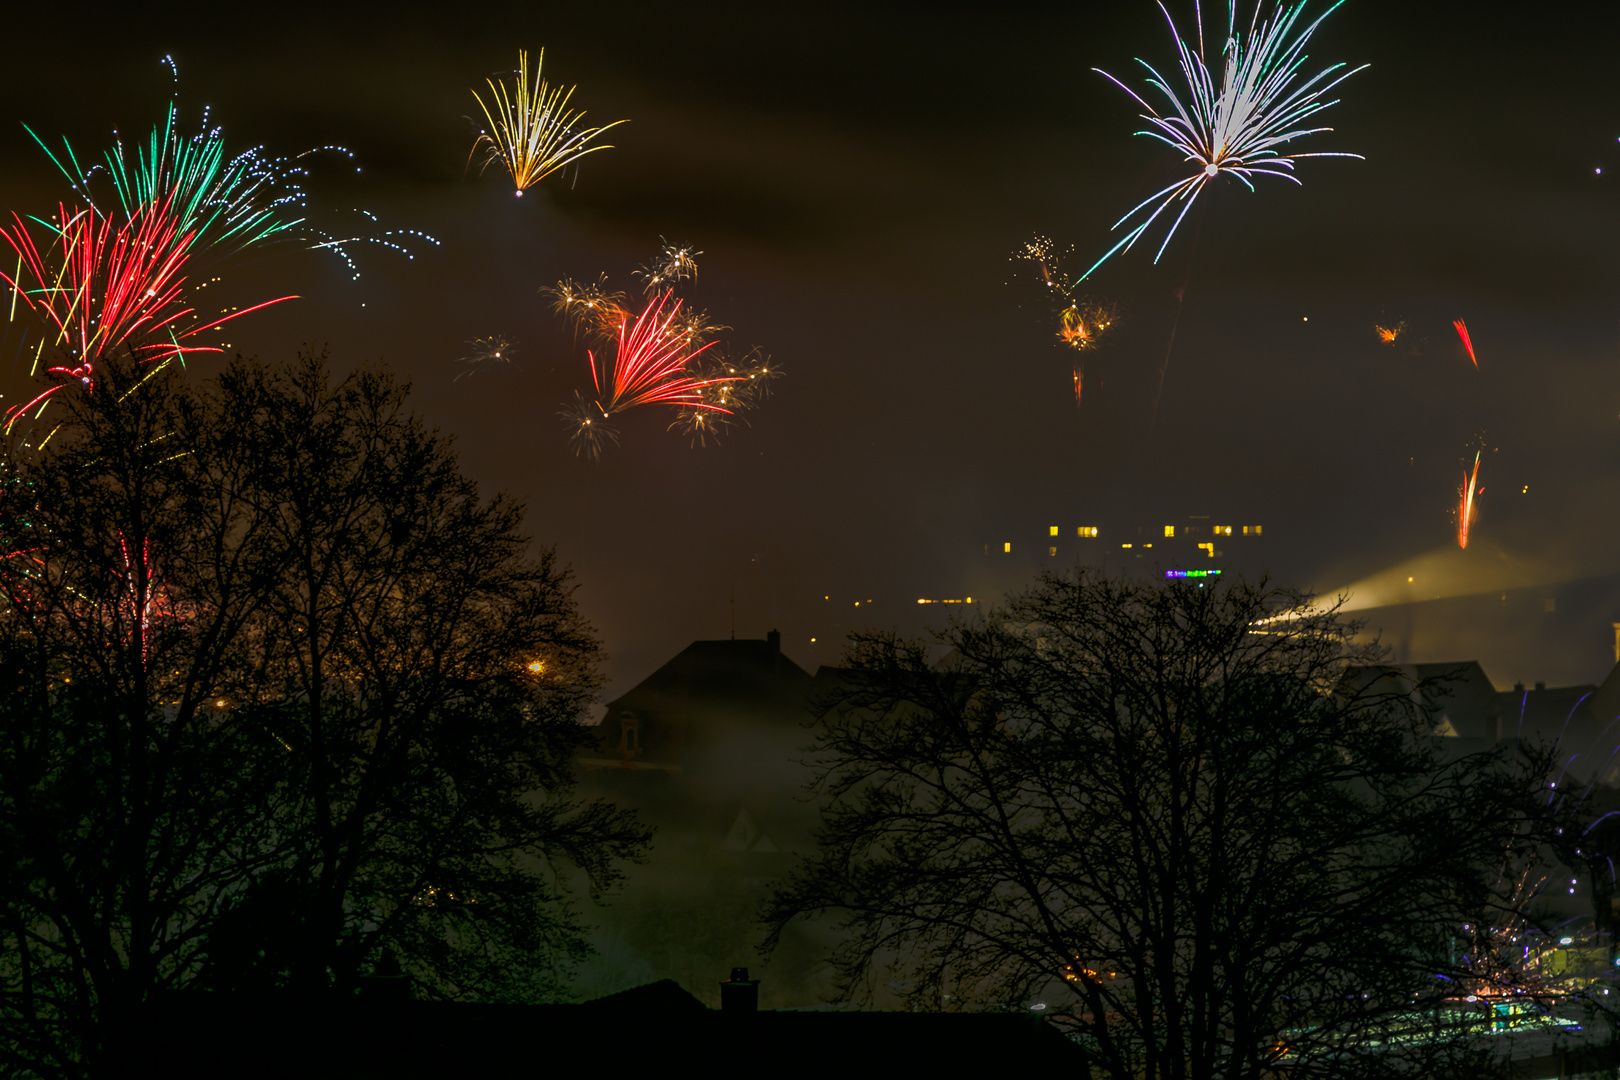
(283, 695)
(1162, 813)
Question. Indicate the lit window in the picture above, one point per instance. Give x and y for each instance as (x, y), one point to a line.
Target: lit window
(1052, 552)
(1169, 530)
(1223, 530)
(1251, 530)
(1210, 548)
(1054, 531)
(1124, 545)
(1007, 547)
(1088, 530)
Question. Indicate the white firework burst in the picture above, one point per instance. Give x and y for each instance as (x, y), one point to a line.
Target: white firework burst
(1240, 124)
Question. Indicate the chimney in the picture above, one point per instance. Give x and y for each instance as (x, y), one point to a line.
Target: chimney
(739, 994)
(1541, 686)
(774, 640)
(1518, 687)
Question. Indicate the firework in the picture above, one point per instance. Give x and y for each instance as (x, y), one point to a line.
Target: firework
(588, 425)
(650, 365)
(144, 599)
(1043, 253)
(1083, 323)
(102, 287)
(731, 387)
(1235, 125)
(1465, 508)
(224, 202)
(532, 133)
(485, 353)
(672, 265)
(1388, 334)
(591, 308)
(665, 354)
(1462, 332)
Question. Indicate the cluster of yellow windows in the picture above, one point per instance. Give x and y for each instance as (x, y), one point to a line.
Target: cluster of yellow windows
(1091, 532)
(1217, 530)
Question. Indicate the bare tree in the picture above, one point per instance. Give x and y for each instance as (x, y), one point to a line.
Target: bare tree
(284, 697)
(1161, 812)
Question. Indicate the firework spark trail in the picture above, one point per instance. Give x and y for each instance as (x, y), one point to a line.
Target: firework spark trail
(1081, 321)
(651, 364)
(674, 264)
(732, 387)
(1388, 334)
(486, 353)
(103, 287)
(225, 203)
(532, 133)
(1462, 332)
(144, 599)
(1082, 324)
(1465, 509)
(592, 307)
(663, 355)
(1236, 125)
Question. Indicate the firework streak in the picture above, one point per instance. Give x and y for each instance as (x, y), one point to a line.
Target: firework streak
(1235, 124)
(1465, 509)
(663, 356)
(532, 133)
(649, 362)
(486, 353)
(225, 204)
(103, 287)
(654, 362)
(1462, 332)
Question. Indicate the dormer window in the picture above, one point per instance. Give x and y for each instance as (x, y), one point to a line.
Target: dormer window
(629, 735)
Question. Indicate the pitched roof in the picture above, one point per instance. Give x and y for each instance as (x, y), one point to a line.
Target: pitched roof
(745, 673)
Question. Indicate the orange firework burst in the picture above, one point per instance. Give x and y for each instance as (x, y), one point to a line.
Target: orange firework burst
(1081, 325)
(1465, 509)
(1462, 332)
(1388, 334)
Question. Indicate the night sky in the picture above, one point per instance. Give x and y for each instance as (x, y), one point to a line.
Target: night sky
(857, 176)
